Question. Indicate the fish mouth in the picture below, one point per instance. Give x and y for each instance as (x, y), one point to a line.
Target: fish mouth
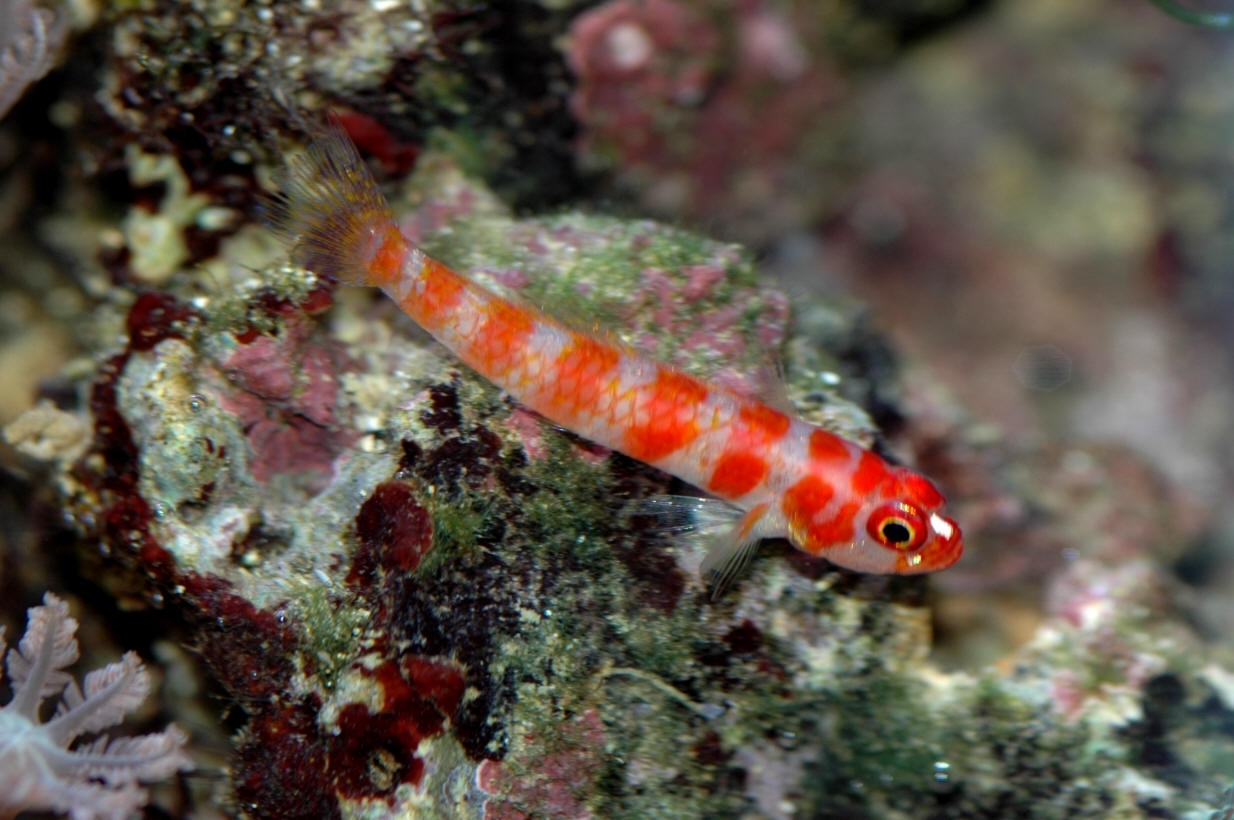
(941, 551)
(950, 545)
(945, 527)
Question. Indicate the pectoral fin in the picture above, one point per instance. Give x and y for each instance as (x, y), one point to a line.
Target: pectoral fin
(732, 550)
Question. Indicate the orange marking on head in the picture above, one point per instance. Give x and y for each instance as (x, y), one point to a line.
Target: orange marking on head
(835, 531)
(870, 473)
(826, 446)
(669, 404)
(801, 503)
(736, 474)
(920, 490)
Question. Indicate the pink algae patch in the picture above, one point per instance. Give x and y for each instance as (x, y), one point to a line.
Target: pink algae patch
(512, 278)
(624, 53)
(774, 328)
(430, 218)
(663, 292)
(319, 395)
(665, 88)
(285, 394)
(591, 453)
(554, 775)
(701, 280)
(291, 445)
(530, 430)
(261, 368)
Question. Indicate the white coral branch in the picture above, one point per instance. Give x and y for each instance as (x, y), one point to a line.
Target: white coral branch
(97, 779)
(47, 648)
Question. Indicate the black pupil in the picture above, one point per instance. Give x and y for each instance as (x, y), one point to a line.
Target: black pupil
(895, 532)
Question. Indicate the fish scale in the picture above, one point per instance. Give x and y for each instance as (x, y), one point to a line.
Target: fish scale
(779, 475)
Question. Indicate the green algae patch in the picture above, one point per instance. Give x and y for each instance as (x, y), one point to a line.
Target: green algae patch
(331, 625)
(457, 524)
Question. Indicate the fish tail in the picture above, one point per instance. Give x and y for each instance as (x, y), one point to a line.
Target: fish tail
(331, 212)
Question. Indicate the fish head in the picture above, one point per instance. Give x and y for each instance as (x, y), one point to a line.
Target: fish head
(896, 528)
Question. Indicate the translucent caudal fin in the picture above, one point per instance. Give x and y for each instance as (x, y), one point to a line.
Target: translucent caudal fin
(330, 210)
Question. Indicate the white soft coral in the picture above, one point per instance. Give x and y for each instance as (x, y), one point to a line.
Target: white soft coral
(98, 779)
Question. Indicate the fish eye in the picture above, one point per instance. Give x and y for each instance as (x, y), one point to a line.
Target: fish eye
(898, 526)
(896, 532)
